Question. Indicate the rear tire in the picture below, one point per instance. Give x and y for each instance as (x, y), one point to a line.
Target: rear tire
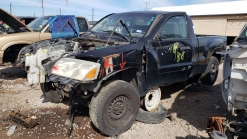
(211, 72)
(114, 109)
(152, 117)
(51, 92)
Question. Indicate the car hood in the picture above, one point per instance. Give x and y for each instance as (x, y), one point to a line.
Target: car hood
(11, 21)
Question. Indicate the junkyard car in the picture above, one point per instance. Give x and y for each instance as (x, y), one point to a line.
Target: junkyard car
(233, 91)
(39, 29)
(123, 59)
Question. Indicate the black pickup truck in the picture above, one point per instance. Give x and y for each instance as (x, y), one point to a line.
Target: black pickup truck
(124, 59)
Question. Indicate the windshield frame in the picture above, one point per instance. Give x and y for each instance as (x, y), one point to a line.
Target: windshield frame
(35, 22)
(242, 38)
(148, 20)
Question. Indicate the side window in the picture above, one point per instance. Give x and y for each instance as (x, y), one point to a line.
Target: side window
(83, 27)
(175, 27)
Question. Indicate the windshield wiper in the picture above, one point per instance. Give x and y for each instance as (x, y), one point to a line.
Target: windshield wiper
(122, 23)
(118, 34)
(113, 31)
(95, 33)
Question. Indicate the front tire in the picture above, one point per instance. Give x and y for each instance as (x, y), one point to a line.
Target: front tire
(114, 109)
(211, 72)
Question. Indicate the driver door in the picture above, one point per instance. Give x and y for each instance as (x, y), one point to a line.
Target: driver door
(169, 57)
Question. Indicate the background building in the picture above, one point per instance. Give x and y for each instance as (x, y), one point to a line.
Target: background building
(222, 18)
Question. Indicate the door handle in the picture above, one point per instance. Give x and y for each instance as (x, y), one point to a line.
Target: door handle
(184, 48)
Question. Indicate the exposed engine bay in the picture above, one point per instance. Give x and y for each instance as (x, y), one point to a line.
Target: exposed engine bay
(38, 58)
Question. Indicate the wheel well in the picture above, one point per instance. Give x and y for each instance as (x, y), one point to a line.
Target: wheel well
(230, 39)
(128, 75)
(11, 53)
(218, 56)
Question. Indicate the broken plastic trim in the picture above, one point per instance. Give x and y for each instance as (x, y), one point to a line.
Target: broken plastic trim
(64, 80)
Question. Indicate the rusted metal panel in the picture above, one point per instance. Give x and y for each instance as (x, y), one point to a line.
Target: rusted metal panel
(22, 119)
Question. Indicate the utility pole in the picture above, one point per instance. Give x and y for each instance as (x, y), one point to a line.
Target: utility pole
(146, 5)
(42, 7)
(33, 14)
(60, 10)
(92, 14)
(67, 5)
(10, 8)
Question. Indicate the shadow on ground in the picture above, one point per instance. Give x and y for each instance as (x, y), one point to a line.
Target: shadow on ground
(196, 103)
(12, 73)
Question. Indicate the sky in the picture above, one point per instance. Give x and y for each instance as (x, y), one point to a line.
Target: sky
(84, 8)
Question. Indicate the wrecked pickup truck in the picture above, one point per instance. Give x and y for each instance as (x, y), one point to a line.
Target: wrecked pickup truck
(42, 28)
(234, 93)
(122, 62)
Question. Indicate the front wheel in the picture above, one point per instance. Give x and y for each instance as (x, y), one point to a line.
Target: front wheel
(114, 109)
(211, 72)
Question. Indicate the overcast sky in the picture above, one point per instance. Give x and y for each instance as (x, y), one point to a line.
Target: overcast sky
(84, 7)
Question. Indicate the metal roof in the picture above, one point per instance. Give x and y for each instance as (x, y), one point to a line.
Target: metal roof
(219, 8)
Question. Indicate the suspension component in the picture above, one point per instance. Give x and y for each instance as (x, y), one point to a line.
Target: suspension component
(216, 123)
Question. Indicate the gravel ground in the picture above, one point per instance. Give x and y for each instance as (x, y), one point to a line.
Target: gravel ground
(193, 105)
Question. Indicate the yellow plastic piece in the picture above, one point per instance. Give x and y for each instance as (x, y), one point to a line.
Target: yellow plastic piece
(44, 50)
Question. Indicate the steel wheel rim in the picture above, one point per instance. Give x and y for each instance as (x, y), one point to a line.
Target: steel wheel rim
(152, 99)
(119, 110)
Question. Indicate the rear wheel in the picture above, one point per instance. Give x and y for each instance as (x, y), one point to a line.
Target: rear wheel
(152, 99)
(114, 109)
(52, 92)
(211, 72)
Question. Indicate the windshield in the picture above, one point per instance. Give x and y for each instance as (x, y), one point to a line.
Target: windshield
(39, 23)
(137, 23)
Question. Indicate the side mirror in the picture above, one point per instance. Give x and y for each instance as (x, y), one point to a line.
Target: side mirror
(158, 36)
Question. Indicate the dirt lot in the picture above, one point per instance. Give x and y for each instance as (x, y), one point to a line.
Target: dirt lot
(193, 106)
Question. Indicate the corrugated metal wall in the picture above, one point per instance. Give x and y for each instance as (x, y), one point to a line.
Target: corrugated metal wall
(210, 27)
(234, 26)
(227, 25)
